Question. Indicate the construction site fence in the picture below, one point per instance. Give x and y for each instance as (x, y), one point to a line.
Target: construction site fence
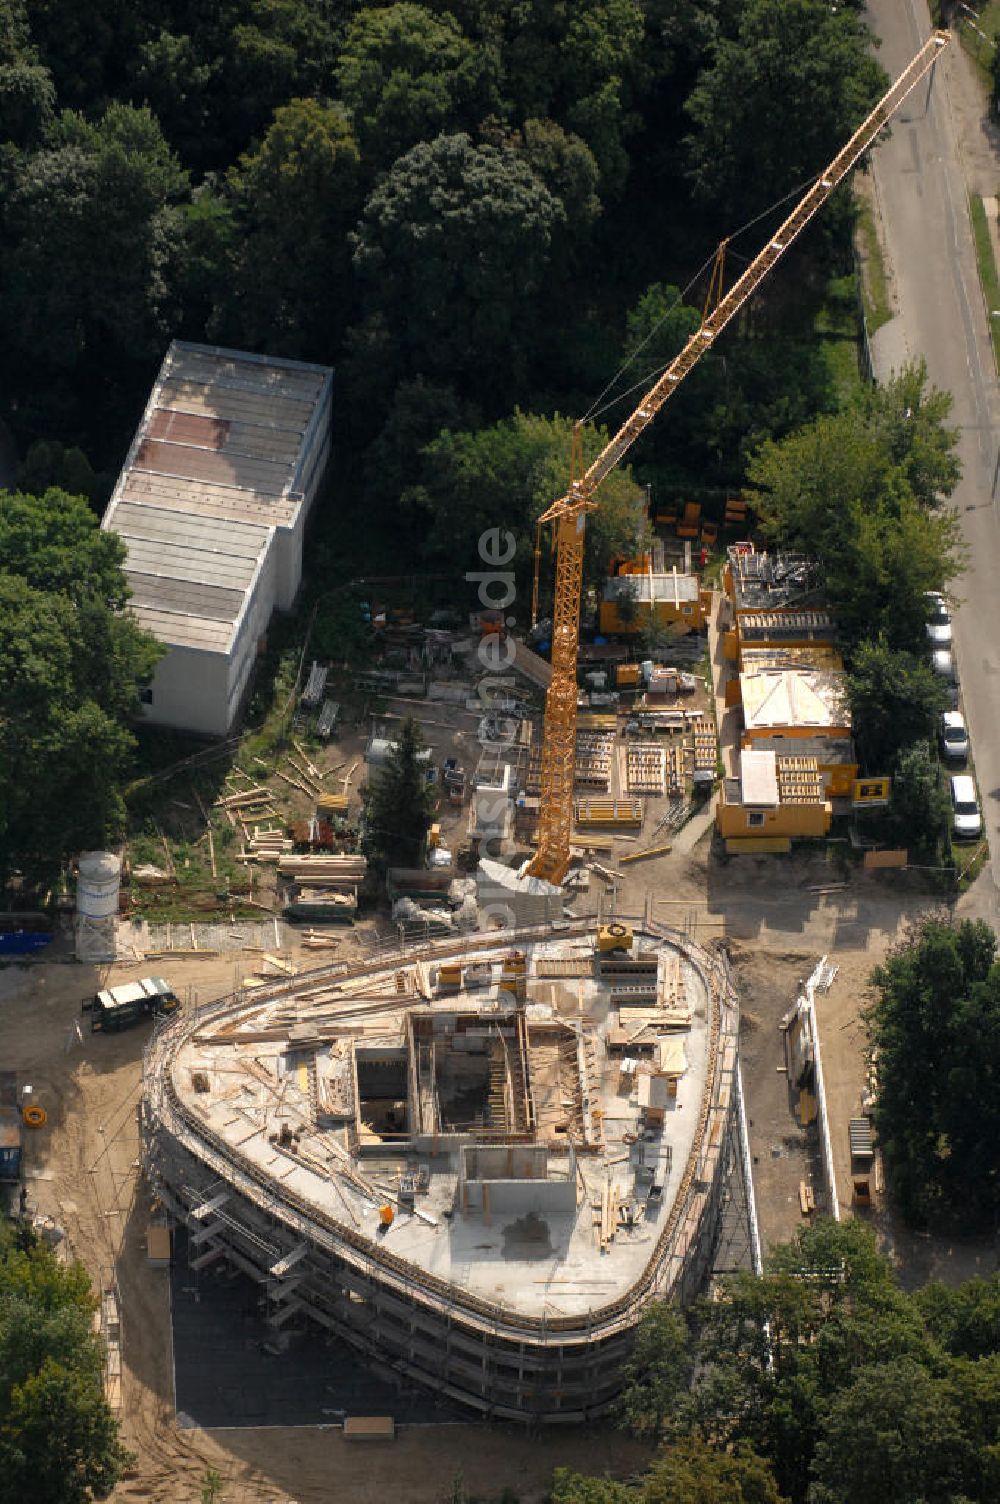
(746, 1173)
(680, 1259)
(822, 1115)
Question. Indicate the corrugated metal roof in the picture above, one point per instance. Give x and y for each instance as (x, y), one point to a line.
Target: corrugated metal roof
(184, 631)
(211, 473)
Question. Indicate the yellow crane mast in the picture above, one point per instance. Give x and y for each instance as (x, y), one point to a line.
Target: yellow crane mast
(568, 514)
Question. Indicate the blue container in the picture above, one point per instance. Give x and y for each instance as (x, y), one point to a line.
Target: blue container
(23, 942)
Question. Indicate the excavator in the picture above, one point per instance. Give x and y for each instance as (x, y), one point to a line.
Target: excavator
(568, 515)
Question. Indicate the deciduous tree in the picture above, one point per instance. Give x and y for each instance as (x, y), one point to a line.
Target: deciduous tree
(58, 1439)
(778, 101)
(505, 476)
(895, 699)
(935, 1022)
(451, 252)
(405, 75)
(71, 663)
(296, 198)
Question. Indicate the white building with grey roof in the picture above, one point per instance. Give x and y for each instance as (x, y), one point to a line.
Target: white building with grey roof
(211, 504)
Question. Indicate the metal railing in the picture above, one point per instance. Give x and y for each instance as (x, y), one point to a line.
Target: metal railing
(683, 1232)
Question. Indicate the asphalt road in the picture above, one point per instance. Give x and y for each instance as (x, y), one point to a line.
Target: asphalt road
(921, 181)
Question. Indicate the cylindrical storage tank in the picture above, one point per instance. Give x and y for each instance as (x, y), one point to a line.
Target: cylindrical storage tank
(100, 876)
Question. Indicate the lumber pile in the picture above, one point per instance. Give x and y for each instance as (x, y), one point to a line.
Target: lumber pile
(324, 868)
(317, 940)
(254, 802)
(606, 1215)
(623, 814)
(331, 804)
(265, 845)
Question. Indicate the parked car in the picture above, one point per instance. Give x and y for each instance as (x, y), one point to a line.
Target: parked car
(943, 663)
(938, 620)
(966, 819)
(953, 736)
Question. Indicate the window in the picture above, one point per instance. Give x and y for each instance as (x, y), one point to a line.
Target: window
(755, 817)
(146, 695)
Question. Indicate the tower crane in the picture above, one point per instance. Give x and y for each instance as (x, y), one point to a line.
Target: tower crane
(568, 514)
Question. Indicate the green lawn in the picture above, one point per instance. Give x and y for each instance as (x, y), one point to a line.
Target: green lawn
(986, 263)
(874, 283)
(988, 23)
(837, 325)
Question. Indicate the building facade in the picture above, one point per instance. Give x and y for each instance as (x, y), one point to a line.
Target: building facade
(212, 504)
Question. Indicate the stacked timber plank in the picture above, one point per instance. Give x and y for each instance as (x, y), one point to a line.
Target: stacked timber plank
(645, 767)
(705, 746)
(675, 771)
(255, 803)
(326, 868)
(265, 845)
(594, 751)
(617, 814)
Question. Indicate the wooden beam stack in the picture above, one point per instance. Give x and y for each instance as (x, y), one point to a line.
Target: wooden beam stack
(323, 868)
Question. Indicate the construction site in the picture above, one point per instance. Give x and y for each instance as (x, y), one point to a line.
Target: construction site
(455, 1124)
(476, 1163)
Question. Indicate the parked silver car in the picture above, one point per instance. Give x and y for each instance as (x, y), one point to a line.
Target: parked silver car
(938, 621)
(953, 736)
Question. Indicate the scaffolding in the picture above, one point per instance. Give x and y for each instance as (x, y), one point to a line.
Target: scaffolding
(479, 1353)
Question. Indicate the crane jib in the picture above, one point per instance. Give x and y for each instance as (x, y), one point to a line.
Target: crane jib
(569, 513)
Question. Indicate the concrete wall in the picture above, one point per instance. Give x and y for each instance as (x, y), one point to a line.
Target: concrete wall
(516, 1198)
(514, 1179)
(191, 691)
(198, 690)
(289, 541)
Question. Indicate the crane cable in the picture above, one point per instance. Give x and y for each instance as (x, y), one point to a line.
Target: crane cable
(596, 410)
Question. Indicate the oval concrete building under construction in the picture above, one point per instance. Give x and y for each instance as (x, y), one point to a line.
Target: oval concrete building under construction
(475, 1162)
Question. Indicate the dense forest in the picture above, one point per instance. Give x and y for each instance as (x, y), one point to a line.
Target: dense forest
(474, 209)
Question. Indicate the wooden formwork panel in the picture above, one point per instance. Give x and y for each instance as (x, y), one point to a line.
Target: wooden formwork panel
(645, 767)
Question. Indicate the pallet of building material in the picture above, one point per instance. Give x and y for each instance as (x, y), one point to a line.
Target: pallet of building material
(328, 805)
(644, 768)
(312, 832)
(705, 750)
(594, 753)
(323, 906)
(675, 771)
(564, 966)
(621, 814)
(327, 868)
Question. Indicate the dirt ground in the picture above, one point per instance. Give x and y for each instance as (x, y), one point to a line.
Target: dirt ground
(777, 917)
(82, 1171)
